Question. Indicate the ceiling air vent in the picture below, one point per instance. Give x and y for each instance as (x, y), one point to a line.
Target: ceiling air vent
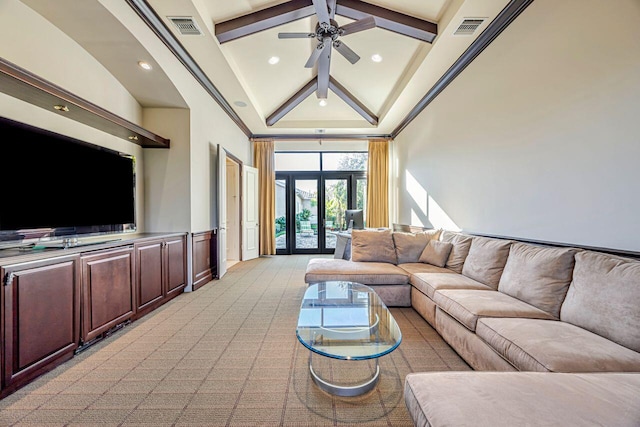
(186, 25)
(468, 26)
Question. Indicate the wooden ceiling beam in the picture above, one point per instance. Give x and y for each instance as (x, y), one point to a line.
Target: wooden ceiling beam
(397, 22)
(263, 19)
(351, 100)
(293, 102)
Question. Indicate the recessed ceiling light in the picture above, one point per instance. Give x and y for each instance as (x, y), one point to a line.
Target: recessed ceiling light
(274, 60)
(240, 104)
(322, 102)
(61, 108)
(144, 65)
(376, 58)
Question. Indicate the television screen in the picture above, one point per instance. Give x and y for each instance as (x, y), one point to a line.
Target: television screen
(58, 186)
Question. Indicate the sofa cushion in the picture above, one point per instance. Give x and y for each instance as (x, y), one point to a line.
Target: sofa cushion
(469, 305)
(551, 345)
(507, 399)
(368, 273)
(436, 253)
(418, 267)
(604, 297)
(486, 260)
(428, 283)
(373, 246)
(409, 246)
(459, 250)
(538, 275)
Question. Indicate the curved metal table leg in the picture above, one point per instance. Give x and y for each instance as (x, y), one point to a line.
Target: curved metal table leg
(347, 391)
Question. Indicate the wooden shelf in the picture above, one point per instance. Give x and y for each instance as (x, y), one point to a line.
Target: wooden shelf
(22, 84)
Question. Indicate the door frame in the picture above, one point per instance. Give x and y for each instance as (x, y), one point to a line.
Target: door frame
(321, 176)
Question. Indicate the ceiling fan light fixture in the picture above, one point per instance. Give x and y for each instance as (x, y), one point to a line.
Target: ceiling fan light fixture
(376, 58)
(274, 60)
(144, 65)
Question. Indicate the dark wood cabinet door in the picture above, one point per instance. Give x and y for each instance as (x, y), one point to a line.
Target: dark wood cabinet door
(149, 287)
(108, 295)
(175, 266)
(41, 322)
(203, 259)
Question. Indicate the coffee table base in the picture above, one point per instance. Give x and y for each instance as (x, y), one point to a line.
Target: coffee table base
(345, 391)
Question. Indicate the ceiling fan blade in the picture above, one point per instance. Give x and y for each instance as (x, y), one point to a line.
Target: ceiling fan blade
(324, 64)
(346, 51)
(296, 35)
(331, 5)
(322, 11)
(359, 25)
(315, 55)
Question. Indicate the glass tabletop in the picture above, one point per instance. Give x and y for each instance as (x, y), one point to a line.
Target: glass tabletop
(346, 320)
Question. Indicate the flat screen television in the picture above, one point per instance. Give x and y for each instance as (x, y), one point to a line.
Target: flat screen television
(54, 186)
(354, 219)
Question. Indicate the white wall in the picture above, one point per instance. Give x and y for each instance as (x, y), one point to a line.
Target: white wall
(539, 137)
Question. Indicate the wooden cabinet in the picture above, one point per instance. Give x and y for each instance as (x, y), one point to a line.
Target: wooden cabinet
(161, 272)
(40, 317)
(107, 290)
(56, 302)
(204, 258)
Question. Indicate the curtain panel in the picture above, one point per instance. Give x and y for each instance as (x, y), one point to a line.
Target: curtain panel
(263, 160)
(378, 184)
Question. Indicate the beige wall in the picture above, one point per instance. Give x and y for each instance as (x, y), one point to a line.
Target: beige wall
(539, 137)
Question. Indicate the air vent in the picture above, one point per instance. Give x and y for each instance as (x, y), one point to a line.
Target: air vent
(468, 26)
(186, 25)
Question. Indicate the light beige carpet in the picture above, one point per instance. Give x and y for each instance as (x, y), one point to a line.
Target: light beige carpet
(224, 355)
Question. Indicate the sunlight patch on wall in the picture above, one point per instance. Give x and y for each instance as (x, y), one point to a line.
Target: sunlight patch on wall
(439, 218)
(425, 211)
(419, 196)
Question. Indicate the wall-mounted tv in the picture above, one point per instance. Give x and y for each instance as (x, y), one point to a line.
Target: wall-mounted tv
(53, 185)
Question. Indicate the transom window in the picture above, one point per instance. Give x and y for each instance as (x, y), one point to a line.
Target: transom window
(312, 161)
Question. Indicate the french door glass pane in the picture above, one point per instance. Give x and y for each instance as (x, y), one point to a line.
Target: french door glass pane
(361, 197)
(335, 203)
(281, 214)
(306, 208)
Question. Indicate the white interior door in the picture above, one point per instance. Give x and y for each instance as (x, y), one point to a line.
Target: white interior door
(222, 211)
(250, 225)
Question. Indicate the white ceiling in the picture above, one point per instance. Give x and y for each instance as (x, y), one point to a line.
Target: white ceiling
(240, 71)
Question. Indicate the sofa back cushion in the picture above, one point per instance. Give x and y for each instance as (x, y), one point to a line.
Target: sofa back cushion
(409, 246)
(486, 260)
(604, 297)
(459, 250)
(436, 253)
(373, 246)
(538, 275)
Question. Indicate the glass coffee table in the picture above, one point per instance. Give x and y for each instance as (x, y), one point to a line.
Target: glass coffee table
(346, 321)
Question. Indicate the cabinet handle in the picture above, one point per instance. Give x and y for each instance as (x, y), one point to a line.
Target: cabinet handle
(8, 278)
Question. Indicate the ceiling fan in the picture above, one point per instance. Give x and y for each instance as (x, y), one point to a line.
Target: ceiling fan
(327, 33)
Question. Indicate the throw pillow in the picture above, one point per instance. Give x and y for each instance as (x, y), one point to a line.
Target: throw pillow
(409, 246)
(373, 246)
(459, 251)
(436, 253)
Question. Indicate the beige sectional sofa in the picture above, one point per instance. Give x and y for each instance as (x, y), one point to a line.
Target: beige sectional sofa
(504, 305)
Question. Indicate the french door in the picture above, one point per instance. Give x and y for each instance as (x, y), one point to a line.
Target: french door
(310, 209)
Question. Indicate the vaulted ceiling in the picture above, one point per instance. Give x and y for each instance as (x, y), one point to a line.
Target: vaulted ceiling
(414, 42)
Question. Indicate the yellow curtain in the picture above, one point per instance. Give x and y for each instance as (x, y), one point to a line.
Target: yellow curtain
(263, 160)
(378, 184)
